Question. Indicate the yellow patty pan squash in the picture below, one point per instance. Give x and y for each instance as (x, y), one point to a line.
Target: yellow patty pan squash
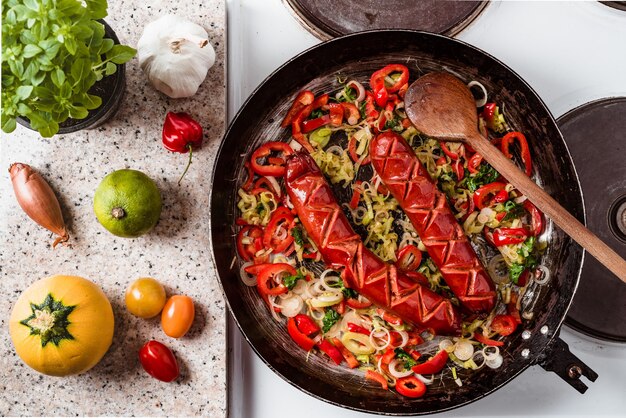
(62, 325)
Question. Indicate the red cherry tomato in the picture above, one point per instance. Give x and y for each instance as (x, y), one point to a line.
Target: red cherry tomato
(177, 316)
(158, 361)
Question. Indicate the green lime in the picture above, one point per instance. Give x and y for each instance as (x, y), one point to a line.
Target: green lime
(127, 203)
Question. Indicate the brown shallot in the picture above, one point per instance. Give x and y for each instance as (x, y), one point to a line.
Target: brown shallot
(37, 199)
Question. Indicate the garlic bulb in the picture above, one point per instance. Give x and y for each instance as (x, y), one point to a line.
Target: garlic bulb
(176, 55)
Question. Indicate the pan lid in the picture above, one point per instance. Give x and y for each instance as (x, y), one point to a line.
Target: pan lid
(595, 135)
(329, 19)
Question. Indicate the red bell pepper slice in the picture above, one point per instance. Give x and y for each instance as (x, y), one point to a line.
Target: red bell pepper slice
(504, 325)
(509, 236)
(307, 325)
(487, 341)
(446, 150)
(264, 183)
(283, 216)
(433, 365)
(248, 251)
(352, 327)
(371, 113)
(411, 387)
(409, 258)
(536, 218)
(336, 113)
(388, 317)
(356, 195)
(296, 123)
(482, 196)
(248, 184)
(312, 124)
(459, 170)
(266, 276)
(388, 356)
(303, 99)
(381, 90)
(255, 269)
(330, 350)
(377, 377)
(298, 336)
(501, 197)
(351, 113)
(347, 355)
(264, 151)
(352, 147)
(508, 139)
(356, 304)
(474, 162)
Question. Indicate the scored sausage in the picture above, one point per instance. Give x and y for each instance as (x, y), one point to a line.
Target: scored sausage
(361, 269)
(426, 207)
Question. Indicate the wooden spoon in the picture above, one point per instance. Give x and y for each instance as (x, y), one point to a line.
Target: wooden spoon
(442, 107)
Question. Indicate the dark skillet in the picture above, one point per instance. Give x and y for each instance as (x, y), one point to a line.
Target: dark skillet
(357, 56)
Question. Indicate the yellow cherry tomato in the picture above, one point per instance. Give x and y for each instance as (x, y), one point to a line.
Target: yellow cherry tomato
(177, 316)
(145, 297)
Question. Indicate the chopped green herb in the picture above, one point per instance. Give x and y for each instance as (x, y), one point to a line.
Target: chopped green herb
(259, 208)
(290, 281)
(347, 292)
(515, 271)
(513, 210)
(296, 233)
(527, 251)
(330, 318)
(395, 125)
(486, 174)
(527, 247)
(317, 113)
(405, 357)
(362, 110)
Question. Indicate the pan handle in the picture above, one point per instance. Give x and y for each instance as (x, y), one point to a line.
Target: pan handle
(558, 359)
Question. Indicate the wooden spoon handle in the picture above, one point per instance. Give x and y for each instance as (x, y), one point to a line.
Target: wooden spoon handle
(568, 223)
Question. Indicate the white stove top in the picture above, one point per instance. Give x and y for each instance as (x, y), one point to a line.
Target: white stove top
(571, 53)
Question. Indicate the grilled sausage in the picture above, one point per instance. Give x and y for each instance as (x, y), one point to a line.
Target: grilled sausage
(427, 209)
(361, 269)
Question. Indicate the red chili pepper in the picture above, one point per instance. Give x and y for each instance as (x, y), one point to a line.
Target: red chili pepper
(504, 325)
(302, 100)
(355, 304)
(411, 387)
(352, 327)
(264, 151)
(356, 195)
(409, 258)
(266, 276)
(351, 113)
(282, 215)
(536, 218)
(446, 150)
(353, 154)
(298, 336)
(508, 139)
(482, 195)
(474, 163)
(434, 365)
(307, 325)
(377, 377)
(487, 341)
(347, 355)
(330, 350)
(377, 82)
(181, 133)
(508, 236)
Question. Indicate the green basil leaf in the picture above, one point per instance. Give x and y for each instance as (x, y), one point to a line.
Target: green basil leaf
(120, 54)
(17, 68)
(8, 124)
(110, 68)
(78, 112)
(37, 78)
(90, 101)
(23, 109)
(58, 77)
(52, 50)
(71, 45)
(22, 12)
(23, 92)
(106, 46)
(31, 4)
(28, 37)
(31, 71)
(97, 8)
(80, 68)
(31, 50)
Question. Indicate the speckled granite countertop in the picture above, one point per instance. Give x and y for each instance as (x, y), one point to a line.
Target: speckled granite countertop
(176, 252)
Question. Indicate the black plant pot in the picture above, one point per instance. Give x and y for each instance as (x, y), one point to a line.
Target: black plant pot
(110, 89)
